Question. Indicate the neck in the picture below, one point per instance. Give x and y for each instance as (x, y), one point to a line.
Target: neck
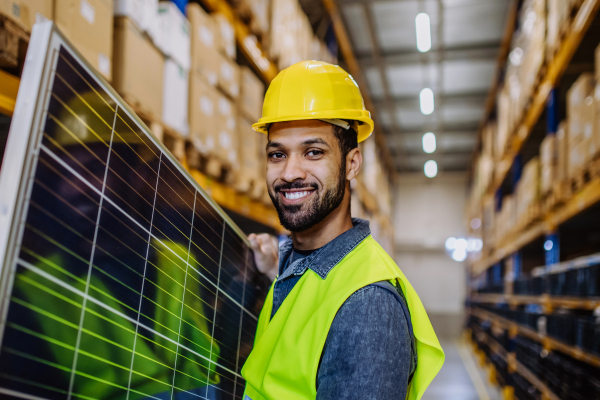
(332, 226)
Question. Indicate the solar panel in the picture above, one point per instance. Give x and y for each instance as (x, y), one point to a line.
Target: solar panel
(121, 278)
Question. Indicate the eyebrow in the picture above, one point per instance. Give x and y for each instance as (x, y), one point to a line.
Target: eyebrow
(308, 142)
(315, 141)
(274, 145)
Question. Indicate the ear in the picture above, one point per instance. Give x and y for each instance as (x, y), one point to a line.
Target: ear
(353, 163)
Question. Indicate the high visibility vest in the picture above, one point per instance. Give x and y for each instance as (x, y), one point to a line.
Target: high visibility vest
(284, 362)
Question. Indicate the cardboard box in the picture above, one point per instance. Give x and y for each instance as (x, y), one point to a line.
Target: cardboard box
(548, 163)
(176, 30)
(247, 164)
(133, 9)
(229, 77)
(27, 12)
(578, 156)
(261, 13)
(579, 101)
(143, 12)
(175, 97)
(226, 125)
(225, 35)
(138, 68)
(88, 24)
(562, 149)
(252, 91)
(205, 59)
(203, 114)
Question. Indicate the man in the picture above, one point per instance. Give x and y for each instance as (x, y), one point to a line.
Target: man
(341, 321)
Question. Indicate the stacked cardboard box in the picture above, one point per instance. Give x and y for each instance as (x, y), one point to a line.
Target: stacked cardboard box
(88, 24)
(548, 163)
(227, 133)
(261, 15)
(225, 35)
(144, 13)
(580, 114)
(27, 12)
(252, 90)
(488, 140)
(524, 62)
(203, 114)
(528, 188)
(249, 177)
(506, 218)
(291, 36)
(487, 223)
(204, 60)
(228, 79)
(24, 13)
(138, 68)
(175, 44)
(562, 151)
(559, 12)
(505, 127)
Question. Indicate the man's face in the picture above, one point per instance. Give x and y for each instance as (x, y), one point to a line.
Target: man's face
(306, 176)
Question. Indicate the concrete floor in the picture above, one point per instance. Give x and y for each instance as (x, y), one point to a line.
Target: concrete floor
(454, 382)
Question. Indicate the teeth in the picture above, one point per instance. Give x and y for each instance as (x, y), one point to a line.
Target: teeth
(295, 195)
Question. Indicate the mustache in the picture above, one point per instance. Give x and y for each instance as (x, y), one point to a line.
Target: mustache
(295, 185)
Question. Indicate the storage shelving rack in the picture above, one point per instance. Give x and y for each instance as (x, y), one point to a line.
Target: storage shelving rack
(250, 48)
(523, 248)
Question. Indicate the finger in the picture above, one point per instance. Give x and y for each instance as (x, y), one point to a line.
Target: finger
(254, 243)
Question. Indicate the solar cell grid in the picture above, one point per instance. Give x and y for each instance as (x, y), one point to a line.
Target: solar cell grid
(128, 283)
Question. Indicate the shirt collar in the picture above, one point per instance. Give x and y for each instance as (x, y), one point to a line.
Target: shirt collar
(324, 259)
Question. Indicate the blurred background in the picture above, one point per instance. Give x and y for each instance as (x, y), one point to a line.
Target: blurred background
(482, 178)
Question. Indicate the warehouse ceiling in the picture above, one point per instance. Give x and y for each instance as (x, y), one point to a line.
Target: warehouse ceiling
(465, 37)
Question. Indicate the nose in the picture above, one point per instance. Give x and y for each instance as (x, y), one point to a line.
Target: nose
(292, 169)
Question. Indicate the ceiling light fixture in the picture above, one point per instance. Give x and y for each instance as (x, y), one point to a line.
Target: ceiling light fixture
(430, 169)
(426, 100)
(429, 145)
(423, 32)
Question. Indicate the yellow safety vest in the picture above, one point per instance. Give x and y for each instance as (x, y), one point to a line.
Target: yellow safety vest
(284, 362)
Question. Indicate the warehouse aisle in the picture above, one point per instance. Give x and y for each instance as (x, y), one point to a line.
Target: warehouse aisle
(454, 383)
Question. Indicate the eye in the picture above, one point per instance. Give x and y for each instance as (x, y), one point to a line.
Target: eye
(314, 153)
(276, 155)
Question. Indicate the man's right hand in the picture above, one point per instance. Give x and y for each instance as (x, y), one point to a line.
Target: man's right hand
(266, 253)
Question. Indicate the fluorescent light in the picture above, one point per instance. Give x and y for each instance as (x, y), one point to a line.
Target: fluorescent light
(459, 255)
(429, 142)
(450, 243)
(426, 98)
(423, 32)
(461, 244)
(430, 169)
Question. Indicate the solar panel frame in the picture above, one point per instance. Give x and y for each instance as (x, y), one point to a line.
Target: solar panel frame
(23, 154)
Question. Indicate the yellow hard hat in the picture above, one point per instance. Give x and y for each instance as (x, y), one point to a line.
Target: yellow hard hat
(315, 90)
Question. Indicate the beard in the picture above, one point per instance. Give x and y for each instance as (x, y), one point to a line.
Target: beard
(300, 217)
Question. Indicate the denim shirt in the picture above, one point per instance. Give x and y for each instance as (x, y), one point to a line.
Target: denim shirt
(367, 354)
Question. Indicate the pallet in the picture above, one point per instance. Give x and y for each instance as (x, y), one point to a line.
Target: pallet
(172, 139)
(556, 196)
(13, 45)
(532, 214)
(582, 177)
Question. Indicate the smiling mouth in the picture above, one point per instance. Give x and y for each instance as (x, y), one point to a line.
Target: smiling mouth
(297, 195)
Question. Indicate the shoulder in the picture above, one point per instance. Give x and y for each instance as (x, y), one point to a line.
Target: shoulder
(375, 295)
(372, 307)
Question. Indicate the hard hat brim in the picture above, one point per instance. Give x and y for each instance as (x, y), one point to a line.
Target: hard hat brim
(365, 126)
